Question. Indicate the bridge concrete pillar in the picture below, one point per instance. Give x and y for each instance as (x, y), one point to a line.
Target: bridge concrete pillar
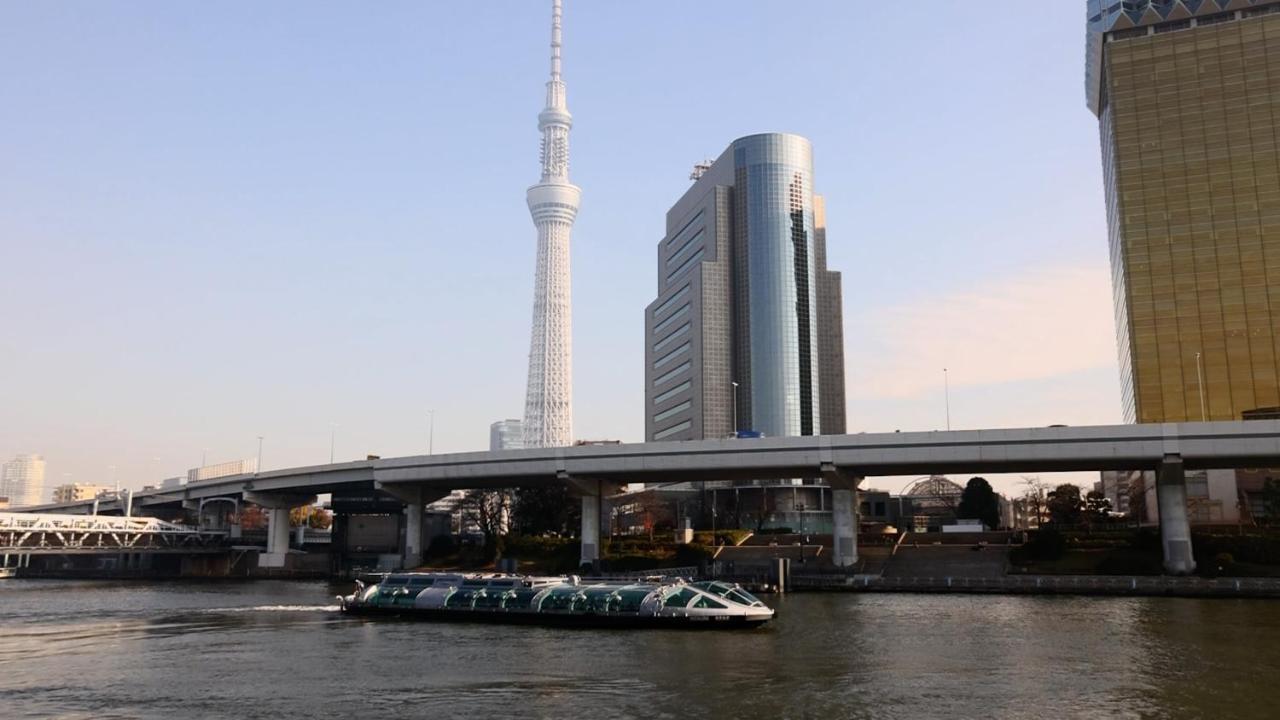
(1175, 527)
(412, 535)
(844, 515)
(590, 531)
(414, 497)
(593, 493)
(277, 506)
(277, 538)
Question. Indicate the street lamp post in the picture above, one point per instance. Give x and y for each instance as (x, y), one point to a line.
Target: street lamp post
(333, 434)
(260, 453)
(735, 408)
(1204, 414)
(946, 391)
(431, 433)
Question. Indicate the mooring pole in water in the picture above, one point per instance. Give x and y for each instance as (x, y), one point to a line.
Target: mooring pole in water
(783, 573)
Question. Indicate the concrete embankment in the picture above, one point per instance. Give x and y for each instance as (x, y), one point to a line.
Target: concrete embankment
(1138, 586)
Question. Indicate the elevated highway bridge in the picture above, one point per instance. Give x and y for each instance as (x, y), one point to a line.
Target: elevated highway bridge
(596, 471)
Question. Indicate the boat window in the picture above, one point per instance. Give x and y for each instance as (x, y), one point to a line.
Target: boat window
(491, 598)
(631, 600)
(706, 601)
(716, 588)
(601, 600)
(474, 583)
(391, 581)
(743, 597)
(680, 598)
(562, 599)
(519, 599)
(460, 599)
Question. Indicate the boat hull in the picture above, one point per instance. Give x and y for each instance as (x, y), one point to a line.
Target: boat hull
(566, 620)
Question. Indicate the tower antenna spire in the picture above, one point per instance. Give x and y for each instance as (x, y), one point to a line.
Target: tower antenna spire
(555, 40)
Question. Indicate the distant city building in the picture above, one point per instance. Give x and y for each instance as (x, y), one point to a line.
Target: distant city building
(506, 435)
(173, 482)
(1187, 102)
(4, 503)
(22, 480)
(74, 492)
(1213, 497)
(745, 333)
(226, 469)
(1115, 487)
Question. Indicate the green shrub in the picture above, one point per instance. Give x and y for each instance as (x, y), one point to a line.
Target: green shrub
(442, 546)
(1146, 539)
(1258, 549)
(721, 537)
(691, 554)
(1045, 544)
(1130, 562)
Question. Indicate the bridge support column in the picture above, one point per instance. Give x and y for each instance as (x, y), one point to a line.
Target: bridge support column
(1175, 528)
(844, 515)
(593, 494)
(591, 531)
(414, 498)
(277, 538)
(412, 535)
(277, 507)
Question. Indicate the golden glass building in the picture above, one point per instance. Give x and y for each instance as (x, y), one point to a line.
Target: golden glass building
(1187, 93)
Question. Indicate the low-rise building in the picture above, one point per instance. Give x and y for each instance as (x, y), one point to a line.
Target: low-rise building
(75, 492)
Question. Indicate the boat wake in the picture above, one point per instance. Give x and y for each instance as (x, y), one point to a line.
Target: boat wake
(274, 608)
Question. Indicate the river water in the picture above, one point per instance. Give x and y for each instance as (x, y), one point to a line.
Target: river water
(272, 649)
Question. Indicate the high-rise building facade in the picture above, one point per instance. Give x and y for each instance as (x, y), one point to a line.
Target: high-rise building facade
(506, 435)
(745, 333)
(22, 480)
(553, 202)
(1187, 93)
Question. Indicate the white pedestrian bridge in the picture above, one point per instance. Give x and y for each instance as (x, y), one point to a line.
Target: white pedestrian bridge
(843, 461)
(23, 533)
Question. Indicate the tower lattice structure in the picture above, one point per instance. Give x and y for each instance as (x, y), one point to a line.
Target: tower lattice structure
(553, 202)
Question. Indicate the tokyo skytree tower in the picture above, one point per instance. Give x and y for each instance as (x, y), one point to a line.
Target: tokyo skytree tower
(553, 202)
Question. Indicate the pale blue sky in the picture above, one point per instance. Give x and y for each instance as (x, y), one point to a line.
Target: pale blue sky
(225, 220)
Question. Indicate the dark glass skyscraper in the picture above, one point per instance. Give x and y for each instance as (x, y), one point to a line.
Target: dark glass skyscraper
(746, 329)
(1187, 94)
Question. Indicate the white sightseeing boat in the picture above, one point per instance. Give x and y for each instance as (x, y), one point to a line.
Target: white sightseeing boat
(561, 601)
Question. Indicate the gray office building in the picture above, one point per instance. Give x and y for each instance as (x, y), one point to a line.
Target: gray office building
(506, 435)
(746, 331)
